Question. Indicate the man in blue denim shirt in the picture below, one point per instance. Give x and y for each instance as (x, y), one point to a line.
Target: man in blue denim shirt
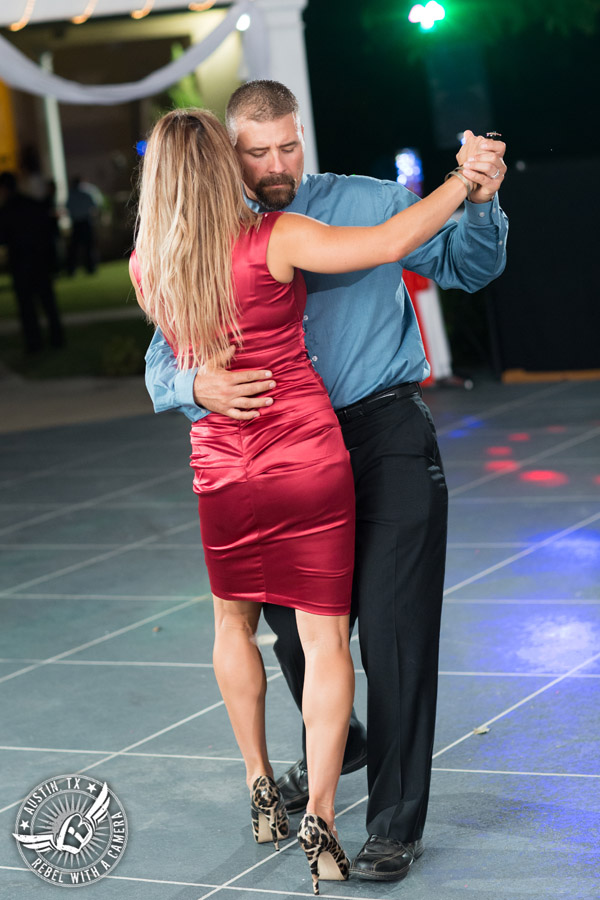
(363, 338)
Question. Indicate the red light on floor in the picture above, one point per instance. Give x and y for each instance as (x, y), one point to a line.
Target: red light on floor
(499, 451)
(547, 477)
(596, 479)
(556, 429)
(519, 436)
(501, 465)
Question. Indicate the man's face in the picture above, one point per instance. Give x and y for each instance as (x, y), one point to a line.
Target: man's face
(272, 158)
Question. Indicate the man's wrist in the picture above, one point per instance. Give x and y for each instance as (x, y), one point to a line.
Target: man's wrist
(183, 387)
(480, 213)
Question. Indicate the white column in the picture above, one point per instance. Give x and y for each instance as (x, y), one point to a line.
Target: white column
(283, 19)
(56, 148)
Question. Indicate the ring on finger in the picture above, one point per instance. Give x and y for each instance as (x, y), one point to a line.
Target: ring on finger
(497, 173)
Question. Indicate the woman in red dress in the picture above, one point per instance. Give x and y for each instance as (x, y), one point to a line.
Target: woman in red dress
(275, 493)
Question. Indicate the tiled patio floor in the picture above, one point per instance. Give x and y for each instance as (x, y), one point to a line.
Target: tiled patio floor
(105, 660)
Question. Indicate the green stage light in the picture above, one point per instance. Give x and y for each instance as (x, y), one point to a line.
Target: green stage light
(427, 16)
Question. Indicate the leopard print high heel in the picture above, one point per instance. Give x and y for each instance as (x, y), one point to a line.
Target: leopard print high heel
(269, 815)
(325, 857)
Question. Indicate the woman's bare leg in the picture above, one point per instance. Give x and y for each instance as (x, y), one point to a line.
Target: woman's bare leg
(326, 705)
(241, 678)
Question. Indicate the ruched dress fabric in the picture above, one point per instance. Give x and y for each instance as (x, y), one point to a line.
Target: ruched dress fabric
(276, 493)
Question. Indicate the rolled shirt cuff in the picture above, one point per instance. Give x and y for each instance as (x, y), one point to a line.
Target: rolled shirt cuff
(483, 213)
(183, 389)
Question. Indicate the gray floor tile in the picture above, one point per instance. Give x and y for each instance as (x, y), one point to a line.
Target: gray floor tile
(550, 733)
(175, 490)
(23, 770)
(105, 708)
(72, 487)
(13, 513)
(105, 527)
(211, 735)
(566, 568)
(8, 666)
(462, 563)
(472, 520)
(465, 703)
(42, 629)
(137, 572)
(20, 565)
(27, 886)
(186, 636)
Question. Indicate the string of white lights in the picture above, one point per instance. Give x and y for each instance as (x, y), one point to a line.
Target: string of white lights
(16, 26)
(85, 15)
(90, 8)
(141, 13)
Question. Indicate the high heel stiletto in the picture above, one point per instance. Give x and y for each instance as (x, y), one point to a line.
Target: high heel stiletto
(325, 857)
(269, 815)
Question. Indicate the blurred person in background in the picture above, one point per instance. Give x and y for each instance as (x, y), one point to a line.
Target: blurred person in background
(26, 230)
(83, 204)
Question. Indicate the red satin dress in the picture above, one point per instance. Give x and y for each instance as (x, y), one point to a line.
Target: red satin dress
(276, 494)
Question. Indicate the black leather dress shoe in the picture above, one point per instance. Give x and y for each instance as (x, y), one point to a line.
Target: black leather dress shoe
(384, 859)
(293, 784)
(293, 787)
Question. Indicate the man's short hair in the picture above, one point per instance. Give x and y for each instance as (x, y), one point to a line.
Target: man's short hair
(260, 101)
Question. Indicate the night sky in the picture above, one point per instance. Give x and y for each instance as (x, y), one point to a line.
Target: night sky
(371, 94)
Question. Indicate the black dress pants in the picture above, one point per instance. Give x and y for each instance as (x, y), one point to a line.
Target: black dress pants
(401, 526)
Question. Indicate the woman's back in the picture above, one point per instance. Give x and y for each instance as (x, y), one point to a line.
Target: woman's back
(276, 494)
(271, 322)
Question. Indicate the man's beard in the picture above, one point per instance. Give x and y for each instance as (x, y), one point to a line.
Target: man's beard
(275, 198)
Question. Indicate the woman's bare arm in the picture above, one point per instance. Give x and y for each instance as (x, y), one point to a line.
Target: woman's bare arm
(304, 243)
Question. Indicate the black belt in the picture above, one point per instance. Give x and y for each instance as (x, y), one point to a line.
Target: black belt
(377, 401)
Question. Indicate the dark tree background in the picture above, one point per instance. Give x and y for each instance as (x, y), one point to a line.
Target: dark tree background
(537, 67)
(371, 94)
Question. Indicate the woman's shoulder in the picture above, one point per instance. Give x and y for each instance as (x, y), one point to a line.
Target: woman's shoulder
(268, 220)
(257, 235)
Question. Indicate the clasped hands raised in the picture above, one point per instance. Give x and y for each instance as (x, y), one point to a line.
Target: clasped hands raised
(482, 161)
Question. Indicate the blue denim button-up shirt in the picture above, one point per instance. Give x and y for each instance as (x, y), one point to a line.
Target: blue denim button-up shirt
(361, 330)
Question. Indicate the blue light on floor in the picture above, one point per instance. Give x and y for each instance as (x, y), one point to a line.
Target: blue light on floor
(584, 547)
(457, 433)
(554, 642)
(468, 424)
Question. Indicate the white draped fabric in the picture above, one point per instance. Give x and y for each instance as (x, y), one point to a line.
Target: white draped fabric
(21, 73)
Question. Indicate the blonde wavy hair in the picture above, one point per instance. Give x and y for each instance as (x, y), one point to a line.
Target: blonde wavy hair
(191, 210)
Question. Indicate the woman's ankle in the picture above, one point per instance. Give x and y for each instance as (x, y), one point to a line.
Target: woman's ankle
(324, 811)
(258, 773)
